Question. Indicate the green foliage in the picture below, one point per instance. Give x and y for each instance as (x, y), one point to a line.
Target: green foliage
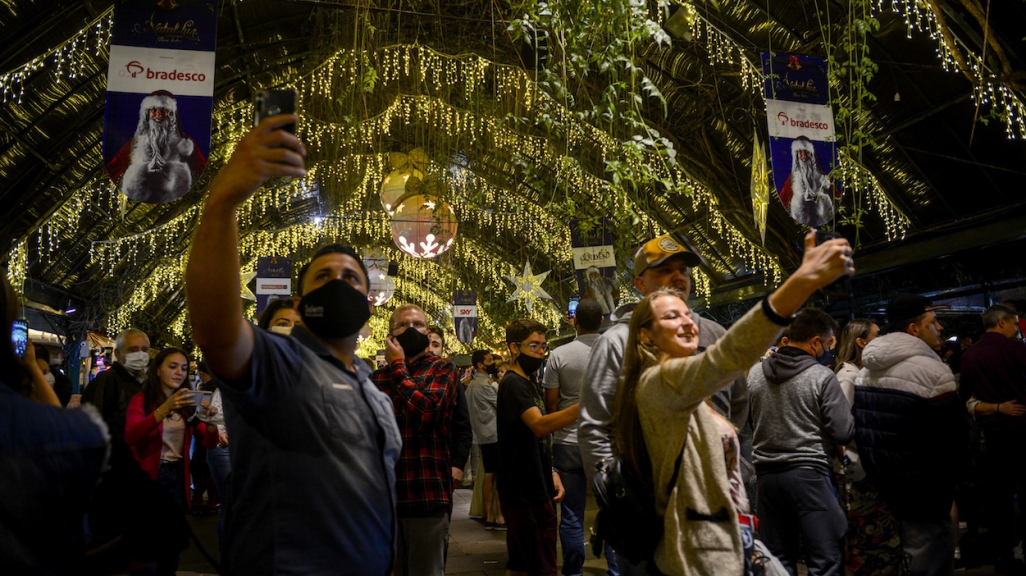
(850, 70)
(587, 54)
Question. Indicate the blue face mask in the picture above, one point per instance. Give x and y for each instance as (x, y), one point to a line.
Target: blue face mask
(828, 359)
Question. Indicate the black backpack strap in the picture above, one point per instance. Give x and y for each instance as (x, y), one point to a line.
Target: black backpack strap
(676, 468)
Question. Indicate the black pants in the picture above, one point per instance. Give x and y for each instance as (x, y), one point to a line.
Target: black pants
(800, 505)
(1004, 476)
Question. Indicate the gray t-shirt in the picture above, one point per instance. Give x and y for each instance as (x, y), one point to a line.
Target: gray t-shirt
(565, 371)
(482, 397)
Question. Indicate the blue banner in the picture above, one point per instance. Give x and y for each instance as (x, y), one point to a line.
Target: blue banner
(803, 148)
(273, 282)
(160, 88)
(465, 315)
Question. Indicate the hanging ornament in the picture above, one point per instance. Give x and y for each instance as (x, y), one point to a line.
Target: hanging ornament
(404, 166)
(394, 187)
(423, 226)
(529, 287)
(760, 188)
(382, 286)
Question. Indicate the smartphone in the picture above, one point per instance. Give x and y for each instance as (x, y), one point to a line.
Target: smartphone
(201, 398)
(19, 336)
(267, 103)
(571, 307)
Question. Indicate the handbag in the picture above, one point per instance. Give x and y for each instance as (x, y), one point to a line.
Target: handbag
(627, 518)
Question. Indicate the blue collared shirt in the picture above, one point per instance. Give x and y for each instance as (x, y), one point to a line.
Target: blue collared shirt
(313, 449)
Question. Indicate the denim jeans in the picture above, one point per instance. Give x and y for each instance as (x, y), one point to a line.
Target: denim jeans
(566, 458)
(220, 467)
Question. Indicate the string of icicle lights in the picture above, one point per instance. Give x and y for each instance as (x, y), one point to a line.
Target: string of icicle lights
(68, 58)
(919, 16)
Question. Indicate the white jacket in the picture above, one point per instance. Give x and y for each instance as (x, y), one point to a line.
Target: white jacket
(900, 361)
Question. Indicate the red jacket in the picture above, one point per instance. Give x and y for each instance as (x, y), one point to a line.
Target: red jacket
(145, 438)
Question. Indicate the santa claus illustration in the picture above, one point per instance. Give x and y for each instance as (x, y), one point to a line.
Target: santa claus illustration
(599, 288)
(161, 162)
(807, 192)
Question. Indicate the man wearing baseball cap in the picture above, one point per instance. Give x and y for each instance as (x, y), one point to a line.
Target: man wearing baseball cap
(911, 431)
(660, 262)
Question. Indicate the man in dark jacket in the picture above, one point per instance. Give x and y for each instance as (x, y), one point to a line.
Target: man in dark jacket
(111, 390)
(800, 416)
(911, 430)
(994, 371)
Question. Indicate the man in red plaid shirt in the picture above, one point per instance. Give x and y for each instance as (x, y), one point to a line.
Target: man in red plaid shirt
(422, 387)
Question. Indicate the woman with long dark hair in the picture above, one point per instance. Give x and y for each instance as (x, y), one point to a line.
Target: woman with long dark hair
(665, 429)
(159, 432)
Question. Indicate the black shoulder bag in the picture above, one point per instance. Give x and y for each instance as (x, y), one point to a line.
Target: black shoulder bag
(627, 518)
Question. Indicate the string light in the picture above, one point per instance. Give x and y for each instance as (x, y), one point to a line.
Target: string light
(483, 209)
(69, 58)
(919, 16)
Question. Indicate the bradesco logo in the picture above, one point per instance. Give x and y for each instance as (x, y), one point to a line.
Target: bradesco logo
(136, 70)
(785, 120)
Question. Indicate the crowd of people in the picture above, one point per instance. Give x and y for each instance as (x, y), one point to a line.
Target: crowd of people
(757, 454)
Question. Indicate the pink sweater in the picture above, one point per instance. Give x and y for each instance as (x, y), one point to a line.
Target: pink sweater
(145, 438)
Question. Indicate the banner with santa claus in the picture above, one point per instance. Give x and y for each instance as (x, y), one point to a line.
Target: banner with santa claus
(160, 97)
(803, 149)
(595, 262)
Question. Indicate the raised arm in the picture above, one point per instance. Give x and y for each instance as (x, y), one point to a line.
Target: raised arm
(427, 401)
(695, 377)
(212, 276)
(821, 265)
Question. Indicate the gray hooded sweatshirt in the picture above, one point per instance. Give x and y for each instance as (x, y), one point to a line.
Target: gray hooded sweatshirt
(799, 412)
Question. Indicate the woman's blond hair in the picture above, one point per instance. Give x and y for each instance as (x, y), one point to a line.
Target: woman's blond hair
(629, 442)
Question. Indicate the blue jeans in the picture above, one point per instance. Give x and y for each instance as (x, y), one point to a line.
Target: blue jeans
(220, 467)
(566, 458)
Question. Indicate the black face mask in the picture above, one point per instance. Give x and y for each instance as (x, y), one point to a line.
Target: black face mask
(529, 364)
(492, 369)
(335, 310)
(412, 342)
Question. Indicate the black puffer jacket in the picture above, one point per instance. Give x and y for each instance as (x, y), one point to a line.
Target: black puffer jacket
(913, 448)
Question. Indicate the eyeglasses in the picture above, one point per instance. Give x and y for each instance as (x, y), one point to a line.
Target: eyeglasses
(536, 346)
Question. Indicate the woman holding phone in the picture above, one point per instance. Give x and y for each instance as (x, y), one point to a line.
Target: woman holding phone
(670, 437)
(159, 432)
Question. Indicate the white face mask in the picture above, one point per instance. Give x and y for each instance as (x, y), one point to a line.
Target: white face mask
(136, 362)
(49, 378)
(286, 330)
